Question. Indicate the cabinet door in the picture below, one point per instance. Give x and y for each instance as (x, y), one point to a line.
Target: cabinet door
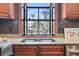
(51, 50)
(4, 9)
(7, 10)
(24, 50)
(12, 10)
(70, 11)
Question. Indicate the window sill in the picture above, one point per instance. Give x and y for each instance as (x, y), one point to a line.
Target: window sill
(51, 36)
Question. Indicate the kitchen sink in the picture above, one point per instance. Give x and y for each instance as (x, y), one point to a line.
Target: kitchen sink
(38, 40)
(47, 40)
(29, 40)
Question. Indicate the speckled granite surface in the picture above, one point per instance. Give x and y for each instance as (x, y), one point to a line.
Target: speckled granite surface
(58, 41)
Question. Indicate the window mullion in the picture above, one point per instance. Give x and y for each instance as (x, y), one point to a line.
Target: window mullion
(51, 7)
(50, 19)
(38, 21)
(26, 19)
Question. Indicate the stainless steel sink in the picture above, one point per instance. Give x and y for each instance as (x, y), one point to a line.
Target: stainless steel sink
(47, 40)
(38, 40)
(29, 40)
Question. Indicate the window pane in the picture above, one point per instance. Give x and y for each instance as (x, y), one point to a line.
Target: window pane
(44, 14)
(44, 27)
(38, 4)
(32, 13)
(32, 27)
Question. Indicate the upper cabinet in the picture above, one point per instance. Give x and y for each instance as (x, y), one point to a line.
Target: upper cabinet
(7, 11)
(70, 11)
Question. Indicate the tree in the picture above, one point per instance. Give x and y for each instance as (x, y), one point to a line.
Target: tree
(45, 13)
(33, 15)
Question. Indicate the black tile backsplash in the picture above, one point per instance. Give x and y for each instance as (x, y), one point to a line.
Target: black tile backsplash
(8, 27)
(67, 24)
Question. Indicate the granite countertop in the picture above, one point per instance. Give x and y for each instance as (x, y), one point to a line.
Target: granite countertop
(58, 41)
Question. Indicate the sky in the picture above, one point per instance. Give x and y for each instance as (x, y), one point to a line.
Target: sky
(35, 11)
(38, 4)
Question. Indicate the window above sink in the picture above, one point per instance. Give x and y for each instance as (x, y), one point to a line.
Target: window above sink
(38, 19)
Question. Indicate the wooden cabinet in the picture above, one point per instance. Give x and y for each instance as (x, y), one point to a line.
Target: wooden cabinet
(7, 10)
(52, 50)
(70, 11)
(40, 50)
(24, 50)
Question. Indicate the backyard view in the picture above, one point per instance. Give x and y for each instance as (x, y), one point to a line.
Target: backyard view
(38, 18)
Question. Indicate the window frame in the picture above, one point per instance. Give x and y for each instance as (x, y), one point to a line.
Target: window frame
(25, 20)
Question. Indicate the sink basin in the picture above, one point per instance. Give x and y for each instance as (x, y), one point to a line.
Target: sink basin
(38, 40)
(29, 40)
(47, 40)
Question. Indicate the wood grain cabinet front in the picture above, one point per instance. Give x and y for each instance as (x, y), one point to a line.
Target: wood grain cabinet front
(52, 50)
(7, 11)
(40, 50)
(24, 50)
(70, 11)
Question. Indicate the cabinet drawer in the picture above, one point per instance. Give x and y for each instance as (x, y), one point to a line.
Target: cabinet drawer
(24, 49)
(51, 46)
(25, 54)
(51, 50)
(51, 54)
(23, 46)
